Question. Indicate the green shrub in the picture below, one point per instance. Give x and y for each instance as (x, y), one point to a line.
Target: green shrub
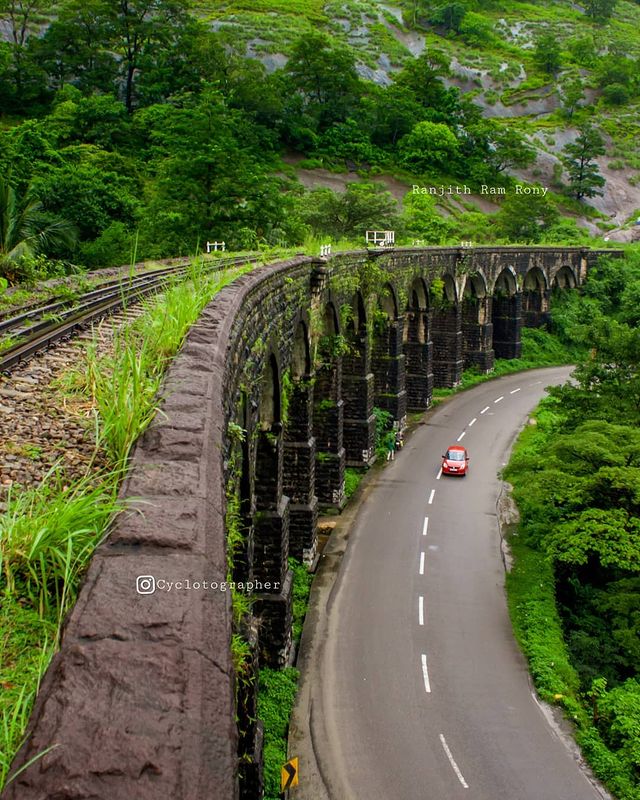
(276, 698)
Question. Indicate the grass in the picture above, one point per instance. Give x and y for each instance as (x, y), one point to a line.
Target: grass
(352, 479)
(26, 646)
(48, 536)
(302, 580)
(276, 698)
(124, 385)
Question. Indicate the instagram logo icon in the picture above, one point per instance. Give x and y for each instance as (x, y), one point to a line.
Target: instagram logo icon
(145, 584)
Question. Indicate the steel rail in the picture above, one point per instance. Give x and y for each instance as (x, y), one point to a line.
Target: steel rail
(101, 302)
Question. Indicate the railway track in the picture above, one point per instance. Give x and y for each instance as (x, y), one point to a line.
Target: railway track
(36, 328)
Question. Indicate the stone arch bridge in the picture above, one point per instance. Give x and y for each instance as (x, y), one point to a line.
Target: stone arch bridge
(271, 397)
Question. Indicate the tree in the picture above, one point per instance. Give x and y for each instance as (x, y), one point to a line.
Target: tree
(430, 144)
(584, 178)
(523, 218)
(583, 49)
(75, 47)
(600, 10)
(449, 16)
(547, 53)
(390, 113)
(508, 149)
(363, 206)
(140, 31)
(423, 77)
(572, 92)
(325, 74)
(421, 219)
(25, 231)
(21, 18)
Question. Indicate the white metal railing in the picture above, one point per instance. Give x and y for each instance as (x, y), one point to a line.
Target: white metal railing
(215, 246)
(381, 238)
(325, 249)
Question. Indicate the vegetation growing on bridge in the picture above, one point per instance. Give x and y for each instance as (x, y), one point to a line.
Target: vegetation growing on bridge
(575, 589)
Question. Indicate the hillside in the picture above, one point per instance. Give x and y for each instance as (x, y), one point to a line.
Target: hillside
(146, 128)
(491, 58)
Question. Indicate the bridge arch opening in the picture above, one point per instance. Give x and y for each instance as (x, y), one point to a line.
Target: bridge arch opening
(301, 353)
(328, 412)
(299, 477)
(477, 328)
(270, 401)
(535, 298)
(418, 347)
(271, 522)
(506, 315)
(446, 332)
(357, 387)
(387, 357)
(564, 279)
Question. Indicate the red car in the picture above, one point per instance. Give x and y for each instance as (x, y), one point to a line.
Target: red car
(455, 461)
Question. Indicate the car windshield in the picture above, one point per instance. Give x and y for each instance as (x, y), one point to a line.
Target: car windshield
(455, 455)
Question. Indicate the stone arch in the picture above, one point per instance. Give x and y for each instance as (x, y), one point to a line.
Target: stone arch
(535, 298)
(388, 302)
(330, 319)
(301, 351)
(270, 402)
(271, 521)
(446, 332)
(506, 283)
(328, 411)
(564, 278)
(475, 285)
(299, 475)
(387, 358)
(477, 327)
(357, 387)
(450, 290)
(418, 347)
(506, 315)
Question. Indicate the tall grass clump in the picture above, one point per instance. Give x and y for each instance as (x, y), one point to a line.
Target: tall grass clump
(48, 534)
(124, 385)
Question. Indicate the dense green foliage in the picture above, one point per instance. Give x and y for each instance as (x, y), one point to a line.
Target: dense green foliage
(276, 699)
(134, 127)
(575, 593)
(301, 588)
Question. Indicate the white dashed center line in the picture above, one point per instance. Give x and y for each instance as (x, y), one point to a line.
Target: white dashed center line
(431, 496)
(421, 610)
(439, 475)
(484, 410)
(473, 421)
(462, 435)
(425, 675)
(499, 399)
(515, 390)
(425, 526)
(456, 768)
(422, 563)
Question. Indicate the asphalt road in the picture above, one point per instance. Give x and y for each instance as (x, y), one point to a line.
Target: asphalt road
(416, 689)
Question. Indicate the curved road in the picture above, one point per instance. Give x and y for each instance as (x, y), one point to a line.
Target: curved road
(415, 687)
